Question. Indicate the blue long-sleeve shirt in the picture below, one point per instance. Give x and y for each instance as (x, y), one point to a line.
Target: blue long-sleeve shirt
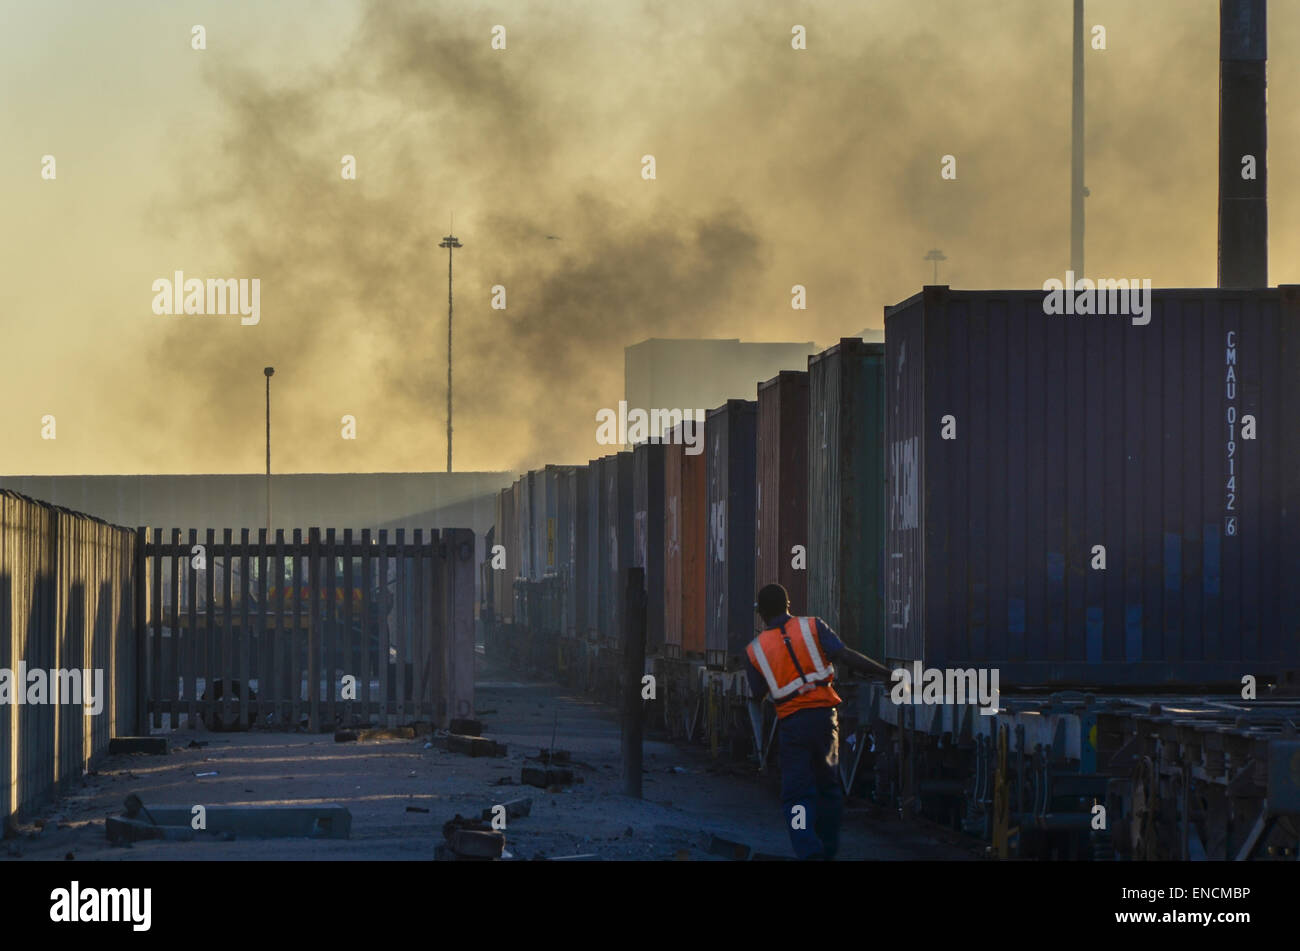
(828, 639)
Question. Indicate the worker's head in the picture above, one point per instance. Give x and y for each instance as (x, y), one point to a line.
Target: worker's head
(773, 601)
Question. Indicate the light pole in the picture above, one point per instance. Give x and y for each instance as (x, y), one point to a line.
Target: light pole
(935, 255)
(1077, 190)
(449, 243)
(270, 372)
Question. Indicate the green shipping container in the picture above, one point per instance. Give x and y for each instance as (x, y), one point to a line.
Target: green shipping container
(846, 492)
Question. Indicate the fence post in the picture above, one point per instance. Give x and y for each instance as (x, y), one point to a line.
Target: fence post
(633, 668)
(313, 631)
(140, 636)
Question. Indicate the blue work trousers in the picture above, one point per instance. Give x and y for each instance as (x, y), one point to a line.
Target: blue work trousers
(809, 778)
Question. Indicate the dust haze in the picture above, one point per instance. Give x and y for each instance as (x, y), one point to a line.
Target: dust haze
(774, 168)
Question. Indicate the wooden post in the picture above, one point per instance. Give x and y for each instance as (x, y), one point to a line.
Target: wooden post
(633, 669)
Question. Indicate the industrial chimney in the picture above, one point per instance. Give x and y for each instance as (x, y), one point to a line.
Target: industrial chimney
(1243, 144)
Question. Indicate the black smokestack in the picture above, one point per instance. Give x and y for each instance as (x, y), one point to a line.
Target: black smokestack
(1243, 142)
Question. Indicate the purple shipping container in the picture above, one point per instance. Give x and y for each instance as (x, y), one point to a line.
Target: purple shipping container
(1116, 504)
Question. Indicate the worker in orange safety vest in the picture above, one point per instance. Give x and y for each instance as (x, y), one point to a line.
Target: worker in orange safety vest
(792, 662)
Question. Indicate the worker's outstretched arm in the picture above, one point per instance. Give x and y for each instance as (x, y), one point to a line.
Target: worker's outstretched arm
(860, 664)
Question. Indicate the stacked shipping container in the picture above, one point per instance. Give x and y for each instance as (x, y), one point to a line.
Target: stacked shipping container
(846, 492)
(685, 504)
(730, 447)
(1112, 503)
(781, 489)
(648, 527)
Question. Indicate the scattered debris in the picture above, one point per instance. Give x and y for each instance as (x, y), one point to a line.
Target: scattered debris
(416, 809)
(474, 745)
(196, 744)
(545, 778)
(172, 823)
(728, 849)
(121, 829)
(552, 756)
(466, 727)
(504, 781)
(471, 840)
(515, 809)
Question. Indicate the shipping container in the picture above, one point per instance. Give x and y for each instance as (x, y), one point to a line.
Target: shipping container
(507, 538)
(648, 529)
(615, 543)
(547, 556)
(781, 487)
(1095, 500)
(731, 449)
(574, 489)
(524, 525)
(595, 515)
(685, 503)
(537, 531)
(846, 492)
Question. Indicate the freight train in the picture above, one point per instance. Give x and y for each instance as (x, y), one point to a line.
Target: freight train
(1104, 513)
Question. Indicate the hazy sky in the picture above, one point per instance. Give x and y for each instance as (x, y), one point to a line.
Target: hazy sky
(774, 167)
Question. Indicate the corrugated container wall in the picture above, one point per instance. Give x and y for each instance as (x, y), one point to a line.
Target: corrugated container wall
(577, 573)
(846, 492)
(547, 556)
(523, 524)
(1087, 500)
(781, 489)
(695, 543)
(615, 542)
(685, 539)
(731, 449)
(648, 528)
(595, 517)
(563, 530)
(502, 578)
(538, 536)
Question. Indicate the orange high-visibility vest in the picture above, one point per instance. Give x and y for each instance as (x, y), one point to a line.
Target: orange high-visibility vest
(791, 661)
